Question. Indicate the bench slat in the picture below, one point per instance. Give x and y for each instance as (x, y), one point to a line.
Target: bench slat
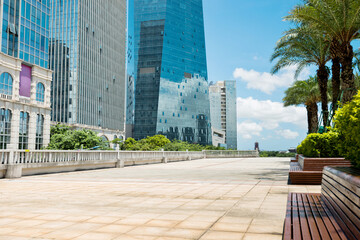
(303, 221)
(287, 225)
(295, 220)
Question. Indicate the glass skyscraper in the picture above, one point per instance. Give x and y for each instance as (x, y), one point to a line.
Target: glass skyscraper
(25, 30)
(171, 93)
(87, 56)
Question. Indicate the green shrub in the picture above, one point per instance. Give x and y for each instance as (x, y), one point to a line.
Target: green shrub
(347, 125)
(320, 145)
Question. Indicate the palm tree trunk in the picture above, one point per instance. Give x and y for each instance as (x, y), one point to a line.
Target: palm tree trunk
(347, 75)
(335, 69)
(313, 120)
(323, 77)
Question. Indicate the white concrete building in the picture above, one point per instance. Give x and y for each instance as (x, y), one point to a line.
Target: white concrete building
(223, 110)
(25, 104)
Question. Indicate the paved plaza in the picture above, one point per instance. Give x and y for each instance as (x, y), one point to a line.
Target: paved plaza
(202, 199)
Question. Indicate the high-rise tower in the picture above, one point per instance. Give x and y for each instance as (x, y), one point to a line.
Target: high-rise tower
(171, 93)
(87, 55)
(223, 110)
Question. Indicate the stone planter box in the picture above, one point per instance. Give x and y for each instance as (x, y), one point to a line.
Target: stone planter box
(317, 164)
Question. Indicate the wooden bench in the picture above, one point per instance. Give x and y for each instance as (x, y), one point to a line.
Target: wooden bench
(306, 218)
(317, 164)
(309, 170)
(298, 176)
(333, 214)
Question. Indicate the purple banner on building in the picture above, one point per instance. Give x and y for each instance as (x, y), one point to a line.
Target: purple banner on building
(25, 81)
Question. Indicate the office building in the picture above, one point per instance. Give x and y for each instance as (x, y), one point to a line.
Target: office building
(171, 89)
(25, 81)
(87, 56)
(223, 111)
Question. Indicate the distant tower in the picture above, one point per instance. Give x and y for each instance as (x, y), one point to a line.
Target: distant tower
(222, 96)
(257, 146)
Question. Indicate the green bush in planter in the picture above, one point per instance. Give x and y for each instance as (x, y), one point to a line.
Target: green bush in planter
(347, 124)
(319, 145)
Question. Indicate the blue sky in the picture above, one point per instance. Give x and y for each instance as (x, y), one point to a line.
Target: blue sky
(240, 38)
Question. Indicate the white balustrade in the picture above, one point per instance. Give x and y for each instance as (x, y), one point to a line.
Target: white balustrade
(44, 161)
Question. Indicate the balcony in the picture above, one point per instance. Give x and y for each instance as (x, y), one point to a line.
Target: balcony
(5, 96)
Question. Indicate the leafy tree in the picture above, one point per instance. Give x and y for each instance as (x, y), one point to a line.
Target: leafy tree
(59, 129)
(63, 138)
(307, 93)
(302, 47)
(338, 21)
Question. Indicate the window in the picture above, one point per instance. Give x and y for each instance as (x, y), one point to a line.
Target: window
(39, 131)
(40, 92)
(6, 83)
(24, 130)
(114, 145)
(5, 127)
(105, 140)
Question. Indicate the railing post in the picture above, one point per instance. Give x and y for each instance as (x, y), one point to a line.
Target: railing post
(188, 155)
(120, 163)
(13, 170)
(11, 157)
(164, 159)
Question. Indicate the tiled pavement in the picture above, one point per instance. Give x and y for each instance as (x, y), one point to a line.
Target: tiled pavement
(203, 199)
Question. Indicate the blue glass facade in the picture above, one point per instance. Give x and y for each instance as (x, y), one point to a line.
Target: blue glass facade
(34, 32)
(25, 30)
(10, 23)
(171, 95)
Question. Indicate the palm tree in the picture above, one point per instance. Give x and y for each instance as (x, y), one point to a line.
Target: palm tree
(307, 93)
(340, 21)
(302, 47)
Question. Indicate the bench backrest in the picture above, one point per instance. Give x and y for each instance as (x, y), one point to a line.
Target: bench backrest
(317, 164)
(340, 192)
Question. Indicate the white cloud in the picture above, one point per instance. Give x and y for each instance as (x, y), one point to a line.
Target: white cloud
(248, 129)
(270, 114)
(288, 134)
(266, 82)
